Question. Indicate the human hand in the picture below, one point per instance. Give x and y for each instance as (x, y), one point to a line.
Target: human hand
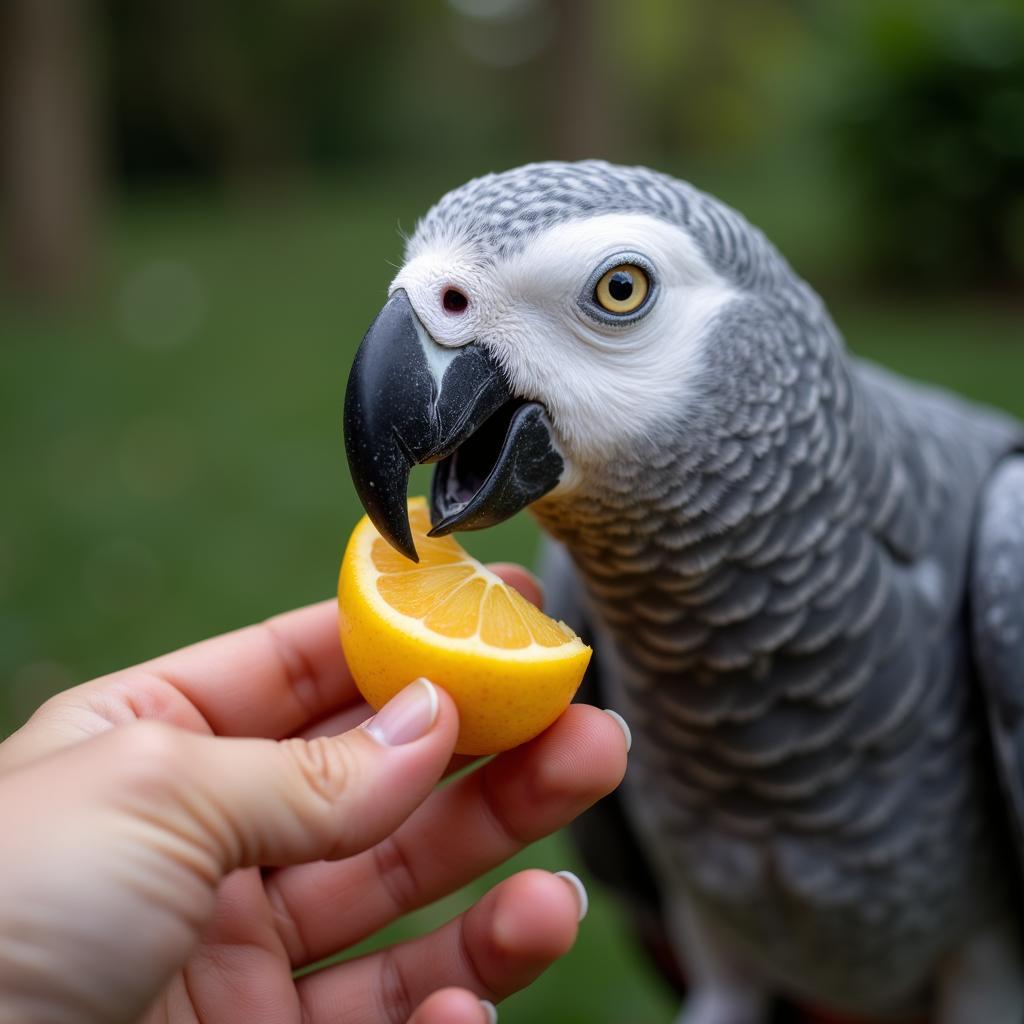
(138, 810)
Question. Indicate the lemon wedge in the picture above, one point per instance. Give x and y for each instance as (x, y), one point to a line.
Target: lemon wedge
(510, 669)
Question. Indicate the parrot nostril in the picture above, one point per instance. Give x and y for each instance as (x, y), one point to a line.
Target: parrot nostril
(454, 301)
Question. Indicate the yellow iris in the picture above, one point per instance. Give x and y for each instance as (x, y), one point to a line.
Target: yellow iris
(623, 289)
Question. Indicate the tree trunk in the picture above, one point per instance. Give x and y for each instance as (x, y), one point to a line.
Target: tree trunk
(48, 145)
(584, 117)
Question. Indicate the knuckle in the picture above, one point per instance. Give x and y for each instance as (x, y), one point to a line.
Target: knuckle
(288, 922)
(513, 833)
(326, 766)
(300, 677)
(151, 753)
(395, 872)
(393, 993)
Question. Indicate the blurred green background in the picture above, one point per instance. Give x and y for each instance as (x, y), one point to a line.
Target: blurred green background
(201, 212)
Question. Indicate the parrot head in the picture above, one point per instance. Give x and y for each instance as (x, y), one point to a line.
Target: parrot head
(546, 322)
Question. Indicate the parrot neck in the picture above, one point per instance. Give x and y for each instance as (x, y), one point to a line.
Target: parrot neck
(749, 599)
(702, 560)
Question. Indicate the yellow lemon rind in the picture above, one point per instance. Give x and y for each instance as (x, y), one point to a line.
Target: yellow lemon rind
(505, 696)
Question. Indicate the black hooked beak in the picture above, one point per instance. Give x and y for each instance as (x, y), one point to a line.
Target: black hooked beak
(410, 401)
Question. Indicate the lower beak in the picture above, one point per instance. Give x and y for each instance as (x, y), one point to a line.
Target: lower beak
(410, 401)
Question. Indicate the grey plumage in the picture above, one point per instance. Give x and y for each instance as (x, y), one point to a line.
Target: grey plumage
(810, 753)
(500, 213)
(795, 588)
(997, 610)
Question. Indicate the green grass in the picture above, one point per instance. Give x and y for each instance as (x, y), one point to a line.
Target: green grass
(173, 464)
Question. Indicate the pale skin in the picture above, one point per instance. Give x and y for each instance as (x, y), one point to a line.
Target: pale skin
(179, 837)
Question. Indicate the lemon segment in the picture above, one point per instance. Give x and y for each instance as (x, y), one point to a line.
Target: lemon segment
(510, 669)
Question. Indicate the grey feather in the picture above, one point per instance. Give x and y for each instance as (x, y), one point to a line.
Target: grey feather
(812, 693)
(997, 608)
(777, 583)
(604, 837)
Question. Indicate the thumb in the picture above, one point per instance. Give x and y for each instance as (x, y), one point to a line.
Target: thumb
(246, 802)
(113, 849)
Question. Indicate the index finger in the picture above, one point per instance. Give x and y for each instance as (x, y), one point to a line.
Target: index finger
(283, 675)
(269, 679)
(280, 677)
(266, 680)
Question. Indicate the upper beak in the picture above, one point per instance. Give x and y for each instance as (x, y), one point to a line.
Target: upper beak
(410, 401)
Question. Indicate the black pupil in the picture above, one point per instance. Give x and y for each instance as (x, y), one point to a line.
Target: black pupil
(620, 285)
(454, 301)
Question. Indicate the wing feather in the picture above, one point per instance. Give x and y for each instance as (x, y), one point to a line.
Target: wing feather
(997, 613)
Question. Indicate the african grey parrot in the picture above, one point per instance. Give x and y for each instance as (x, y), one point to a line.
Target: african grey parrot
(803, 577)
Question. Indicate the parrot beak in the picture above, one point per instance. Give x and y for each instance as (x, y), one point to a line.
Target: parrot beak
(410, 401)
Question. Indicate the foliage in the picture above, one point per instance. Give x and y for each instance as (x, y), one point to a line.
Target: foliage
(921, 103)
(260, 91)
(929, 128)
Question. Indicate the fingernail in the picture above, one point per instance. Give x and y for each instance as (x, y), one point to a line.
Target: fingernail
(623, 725)
(491, 1010)
(407, 716)
(581, 892)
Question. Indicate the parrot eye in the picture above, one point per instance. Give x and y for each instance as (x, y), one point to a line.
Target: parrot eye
(622, 289)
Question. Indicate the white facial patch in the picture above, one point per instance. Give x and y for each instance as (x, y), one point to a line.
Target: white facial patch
(604, 386)
(429, 273)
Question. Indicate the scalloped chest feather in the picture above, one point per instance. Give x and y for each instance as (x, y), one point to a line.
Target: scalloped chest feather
(781, 613)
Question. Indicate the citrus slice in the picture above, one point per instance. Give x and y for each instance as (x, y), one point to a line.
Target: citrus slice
(509, 668)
